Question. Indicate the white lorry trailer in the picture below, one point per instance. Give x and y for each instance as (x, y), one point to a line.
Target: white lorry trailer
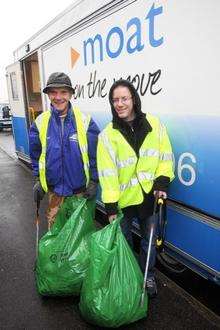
(170, 51)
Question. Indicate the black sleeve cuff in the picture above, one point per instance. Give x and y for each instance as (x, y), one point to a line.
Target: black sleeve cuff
(161, 183)
(111, 208)
(36, 178)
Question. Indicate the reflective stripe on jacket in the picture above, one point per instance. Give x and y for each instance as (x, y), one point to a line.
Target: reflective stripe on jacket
(82, 123)
(122, 174)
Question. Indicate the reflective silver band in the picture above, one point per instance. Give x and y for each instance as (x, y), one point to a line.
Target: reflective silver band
(133, 182)
(41, 165)
(145, 176)
(38, 122)
(86, 121)
(149, 153)
(86, 165)
(166, 156)
(104, 138)
(107, 173)
(83, 149)
(126, 162)
(155, 153)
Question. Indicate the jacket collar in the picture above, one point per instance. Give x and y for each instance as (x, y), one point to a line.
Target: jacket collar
(56, 112)
(139, 121)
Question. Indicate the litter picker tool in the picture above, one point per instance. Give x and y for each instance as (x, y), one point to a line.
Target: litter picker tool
(37, 220)
(152, 222)
(161, 227)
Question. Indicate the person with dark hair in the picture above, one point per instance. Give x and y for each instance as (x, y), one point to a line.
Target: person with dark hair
(135, 163)
(63, 143)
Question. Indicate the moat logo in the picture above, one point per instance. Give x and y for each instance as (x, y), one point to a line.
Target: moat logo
(98, 48)
(74, 55)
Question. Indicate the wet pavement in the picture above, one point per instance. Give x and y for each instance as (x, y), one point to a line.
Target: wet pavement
(20, 305)
(7, 142)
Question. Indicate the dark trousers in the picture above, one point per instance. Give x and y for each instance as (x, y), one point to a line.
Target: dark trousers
(144, 223)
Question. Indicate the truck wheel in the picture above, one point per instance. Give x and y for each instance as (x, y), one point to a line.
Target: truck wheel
(170, 264)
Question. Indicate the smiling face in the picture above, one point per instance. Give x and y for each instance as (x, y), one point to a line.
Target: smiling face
(123, 103)
(59, 98)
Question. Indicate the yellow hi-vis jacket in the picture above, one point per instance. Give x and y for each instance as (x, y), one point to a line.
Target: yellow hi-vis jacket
(82, 123)
(122, 174)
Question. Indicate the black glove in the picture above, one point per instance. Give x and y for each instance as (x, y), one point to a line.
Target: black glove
(91, 190)
(38, 191)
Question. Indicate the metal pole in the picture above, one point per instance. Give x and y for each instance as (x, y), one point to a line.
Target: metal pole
(152, 224)
(37, 226)
(147, 263)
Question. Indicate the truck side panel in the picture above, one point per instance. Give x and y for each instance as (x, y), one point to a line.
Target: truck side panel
(172, 64)
(17, 104)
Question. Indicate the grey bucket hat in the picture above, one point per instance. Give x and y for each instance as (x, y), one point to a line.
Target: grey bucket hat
(58, 80)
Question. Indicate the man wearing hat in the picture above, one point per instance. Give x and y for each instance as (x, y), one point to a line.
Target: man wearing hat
(63, 144)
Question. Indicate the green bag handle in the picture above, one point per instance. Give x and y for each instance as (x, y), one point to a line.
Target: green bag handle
(118, 219)
(107, 249)
(81, 205)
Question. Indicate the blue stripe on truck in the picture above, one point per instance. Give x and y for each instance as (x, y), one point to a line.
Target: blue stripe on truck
(20, 135)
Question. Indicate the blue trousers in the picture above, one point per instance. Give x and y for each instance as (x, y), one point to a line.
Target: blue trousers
(126, 226)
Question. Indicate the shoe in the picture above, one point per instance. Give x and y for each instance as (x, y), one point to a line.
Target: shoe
(151, 287)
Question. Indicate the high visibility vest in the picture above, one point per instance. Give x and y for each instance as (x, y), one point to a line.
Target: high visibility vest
(122, 175)
(82, 124)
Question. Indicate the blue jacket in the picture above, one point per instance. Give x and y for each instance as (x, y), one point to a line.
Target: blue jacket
(64, 166)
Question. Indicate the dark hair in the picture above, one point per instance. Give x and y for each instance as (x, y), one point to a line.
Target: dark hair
(134, 94)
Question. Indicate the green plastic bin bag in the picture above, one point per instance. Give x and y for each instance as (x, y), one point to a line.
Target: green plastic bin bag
(111, 291)
(63, 253)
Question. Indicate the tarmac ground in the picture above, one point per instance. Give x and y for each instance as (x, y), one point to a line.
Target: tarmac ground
(20, 305)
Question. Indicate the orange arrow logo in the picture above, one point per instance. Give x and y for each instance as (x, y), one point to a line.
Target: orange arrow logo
(74, 56)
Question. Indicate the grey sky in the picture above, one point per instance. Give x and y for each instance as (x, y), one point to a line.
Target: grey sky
(19, 21)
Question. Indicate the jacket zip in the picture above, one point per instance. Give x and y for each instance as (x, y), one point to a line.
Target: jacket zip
(137, 155)
(61, 138)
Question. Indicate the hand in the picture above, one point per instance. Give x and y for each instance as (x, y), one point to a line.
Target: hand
(160, 194)
(91, 190)
(38, 191)
(50, 223)
(112, 217)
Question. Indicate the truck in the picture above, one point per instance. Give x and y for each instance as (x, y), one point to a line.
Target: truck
(5, 116)
(170, 51)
